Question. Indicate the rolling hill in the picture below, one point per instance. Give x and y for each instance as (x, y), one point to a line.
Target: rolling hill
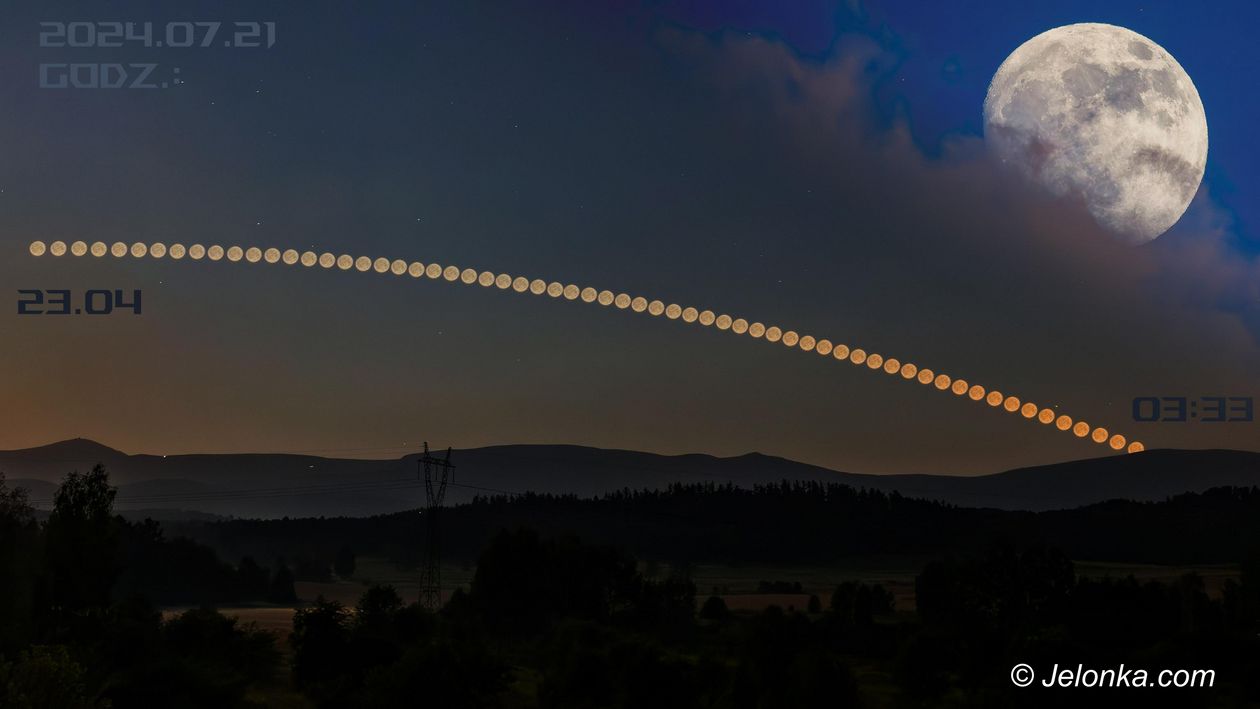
(277, 485)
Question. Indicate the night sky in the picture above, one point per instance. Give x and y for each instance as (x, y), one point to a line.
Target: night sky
(815, 165)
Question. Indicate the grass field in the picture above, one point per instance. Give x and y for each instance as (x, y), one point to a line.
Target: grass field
(736, 584)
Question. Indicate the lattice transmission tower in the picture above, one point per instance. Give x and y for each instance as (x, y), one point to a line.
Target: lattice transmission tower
(437, 471)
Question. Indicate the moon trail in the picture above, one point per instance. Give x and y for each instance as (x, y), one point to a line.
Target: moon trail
(874, 362)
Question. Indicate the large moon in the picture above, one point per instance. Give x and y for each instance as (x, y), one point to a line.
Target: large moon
(1105, 113)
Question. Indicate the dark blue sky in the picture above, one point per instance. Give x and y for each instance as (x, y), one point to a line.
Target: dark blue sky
(948, 52)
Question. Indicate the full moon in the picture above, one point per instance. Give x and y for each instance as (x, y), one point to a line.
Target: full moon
(1104, 113)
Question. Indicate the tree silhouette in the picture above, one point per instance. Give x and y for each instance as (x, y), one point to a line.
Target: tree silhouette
(80, 543)
(19, 564)
(714, 608)
(43, 677)
(321, 644)
(343, 564)
(282, 590)
(77, 620)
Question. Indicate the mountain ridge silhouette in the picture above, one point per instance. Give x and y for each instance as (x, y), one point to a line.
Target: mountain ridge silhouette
(300, 484)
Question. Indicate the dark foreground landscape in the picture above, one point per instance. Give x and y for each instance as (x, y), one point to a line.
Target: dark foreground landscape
(786, 594)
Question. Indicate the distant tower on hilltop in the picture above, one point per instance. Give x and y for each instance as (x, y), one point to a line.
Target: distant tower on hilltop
(436, 474)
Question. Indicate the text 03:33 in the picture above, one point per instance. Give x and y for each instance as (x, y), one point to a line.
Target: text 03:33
(1207, 409)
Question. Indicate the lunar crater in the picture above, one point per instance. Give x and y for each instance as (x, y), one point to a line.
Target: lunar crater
(1104, 113)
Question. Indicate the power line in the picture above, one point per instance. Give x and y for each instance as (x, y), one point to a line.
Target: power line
(283, 491)
(437, 474)
(907, 490)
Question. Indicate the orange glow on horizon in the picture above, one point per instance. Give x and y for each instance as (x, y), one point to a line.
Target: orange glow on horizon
(623, 301)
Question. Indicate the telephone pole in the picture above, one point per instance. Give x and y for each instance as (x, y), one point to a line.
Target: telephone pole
(436, 473)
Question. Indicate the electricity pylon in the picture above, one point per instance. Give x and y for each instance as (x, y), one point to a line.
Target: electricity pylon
(436, 473)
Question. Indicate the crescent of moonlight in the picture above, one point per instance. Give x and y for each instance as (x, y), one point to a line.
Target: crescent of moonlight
(673, 311)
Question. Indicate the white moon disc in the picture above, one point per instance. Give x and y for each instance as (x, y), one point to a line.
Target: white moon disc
(1105, 113)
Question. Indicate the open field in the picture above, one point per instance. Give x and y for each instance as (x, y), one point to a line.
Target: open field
(1214, 575)
(737, 585)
